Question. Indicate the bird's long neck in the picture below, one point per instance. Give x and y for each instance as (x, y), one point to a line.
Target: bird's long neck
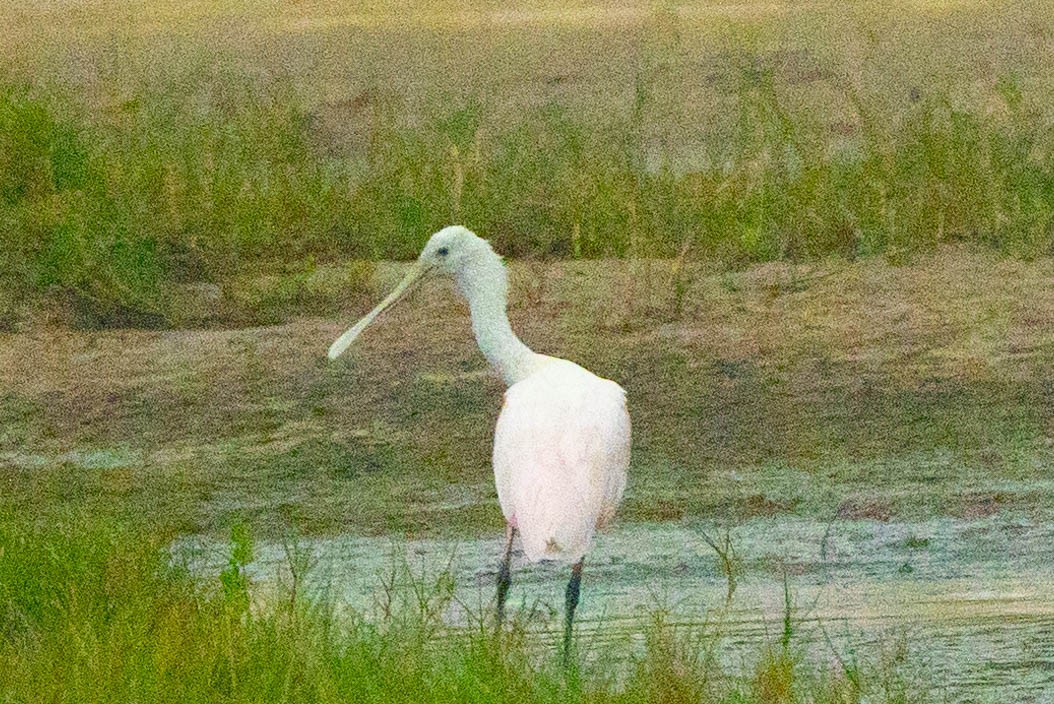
(484, 284)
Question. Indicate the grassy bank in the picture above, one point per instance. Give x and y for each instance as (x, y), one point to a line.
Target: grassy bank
(135, 158)
(841, 391)
(98, 611)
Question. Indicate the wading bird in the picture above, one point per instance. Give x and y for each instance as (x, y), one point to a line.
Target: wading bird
(562, 442)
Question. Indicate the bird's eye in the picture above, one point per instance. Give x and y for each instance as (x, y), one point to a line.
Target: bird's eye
(442, 251)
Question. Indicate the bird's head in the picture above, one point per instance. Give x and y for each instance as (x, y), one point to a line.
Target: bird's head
(451, 252)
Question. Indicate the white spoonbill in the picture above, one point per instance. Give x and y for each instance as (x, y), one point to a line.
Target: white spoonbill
(562, 442)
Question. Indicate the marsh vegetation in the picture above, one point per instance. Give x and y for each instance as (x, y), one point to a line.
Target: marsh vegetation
(95, 612)
(813, 241)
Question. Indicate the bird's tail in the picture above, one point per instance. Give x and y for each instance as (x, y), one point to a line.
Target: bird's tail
(563, 541)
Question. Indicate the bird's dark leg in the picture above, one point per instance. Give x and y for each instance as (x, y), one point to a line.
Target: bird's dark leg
(504, 574)
(570, 604)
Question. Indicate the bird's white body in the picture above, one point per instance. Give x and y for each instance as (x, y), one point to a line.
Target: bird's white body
(561, 450)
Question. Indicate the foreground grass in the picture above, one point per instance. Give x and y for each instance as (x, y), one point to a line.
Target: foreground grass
(741, 140)
(97, 611)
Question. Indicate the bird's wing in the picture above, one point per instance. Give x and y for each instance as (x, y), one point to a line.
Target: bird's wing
(561, 449)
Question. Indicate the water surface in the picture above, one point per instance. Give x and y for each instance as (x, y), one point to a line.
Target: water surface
(971, 602)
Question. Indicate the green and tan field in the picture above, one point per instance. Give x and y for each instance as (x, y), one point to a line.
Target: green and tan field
(146, 144)
(813, 241)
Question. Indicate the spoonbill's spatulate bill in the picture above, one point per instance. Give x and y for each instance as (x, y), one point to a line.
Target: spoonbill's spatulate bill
(562, 443)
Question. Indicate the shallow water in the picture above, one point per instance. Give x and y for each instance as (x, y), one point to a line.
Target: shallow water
(972, 601)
